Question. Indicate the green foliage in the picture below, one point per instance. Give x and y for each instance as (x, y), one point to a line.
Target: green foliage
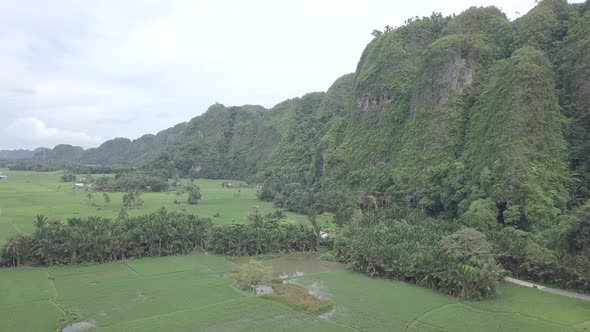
(252, 274)
(468, 245)
(545, 26)
(194, 195)
(510, 247)
(122, 215)
(575, 101)
(488, 23)
(68, 177)
(162, 233)
(132, 199)
(260, 237)
(529, 258)
(577, 234)
(515, 148)
(299, 298)
(137, 181)
(68, 317)
(422, 254)
(482, 214)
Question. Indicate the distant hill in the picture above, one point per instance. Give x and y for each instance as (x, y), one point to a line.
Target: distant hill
(16, 154)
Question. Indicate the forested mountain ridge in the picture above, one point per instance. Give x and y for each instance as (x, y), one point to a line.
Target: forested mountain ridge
(445, 115)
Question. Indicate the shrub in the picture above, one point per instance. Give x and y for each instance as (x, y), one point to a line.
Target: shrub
(68, 177)
(298, 297)
(468, 245)
(427, 254)
(481, 215)
(194, 195)
(577, 235)
(132, 199)
(469, 282)
(139, 181)
(252, 274)
(509, 246)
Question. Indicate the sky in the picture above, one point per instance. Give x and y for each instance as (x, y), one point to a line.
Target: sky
(81, 72)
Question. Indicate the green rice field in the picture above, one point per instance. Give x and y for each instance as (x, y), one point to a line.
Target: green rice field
(193, 293)
(196, 293)
(26, 194)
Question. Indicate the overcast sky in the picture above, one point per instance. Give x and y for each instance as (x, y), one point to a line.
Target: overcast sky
(81, 71)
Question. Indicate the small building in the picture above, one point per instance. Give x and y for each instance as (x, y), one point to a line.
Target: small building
(78, 185)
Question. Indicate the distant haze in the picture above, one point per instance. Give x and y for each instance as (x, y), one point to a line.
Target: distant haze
(81, 72)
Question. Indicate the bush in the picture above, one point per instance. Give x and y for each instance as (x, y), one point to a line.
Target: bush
(481, 215)
(194, 195)
(509, 246)
(252, 274)
(468, 245)
(427, 254)
(298, 298)
(531, 258)
(136, 181)
(68, 177)
(577, 235)
(469, 282)
(132, 199)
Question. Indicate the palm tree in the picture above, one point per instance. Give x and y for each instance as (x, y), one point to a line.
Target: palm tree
(13, 250)
(40, 221)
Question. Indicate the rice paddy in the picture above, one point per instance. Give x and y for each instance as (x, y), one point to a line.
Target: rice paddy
(196, 292)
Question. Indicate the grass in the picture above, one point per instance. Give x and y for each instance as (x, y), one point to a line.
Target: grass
(372, 304)
(194, 292)
(26, 194)
(299, 298)
(155, 294)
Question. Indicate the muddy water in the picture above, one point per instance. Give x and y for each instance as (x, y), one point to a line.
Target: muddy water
(293, 265)
(79, 326)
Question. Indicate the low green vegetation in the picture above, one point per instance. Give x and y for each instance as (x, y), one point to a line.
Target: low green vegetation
(191, 292)
(459, 263)
(299, 298)
(162, 233)
(252, 274)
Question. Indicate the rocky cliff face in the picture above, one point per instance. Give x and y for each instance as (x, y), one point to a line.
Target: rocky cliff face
(458, 112)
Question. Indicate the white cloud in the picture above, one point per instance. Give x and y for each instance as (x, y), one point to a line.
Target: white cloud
(32, 130)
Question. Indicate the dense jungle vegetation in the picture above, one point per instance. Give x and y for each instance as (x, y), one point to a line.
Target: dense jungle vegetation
(162, 233)
(454, 133)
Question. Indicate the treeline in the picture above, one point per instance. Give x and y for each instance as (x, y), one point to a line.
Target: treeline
(559, 256)
(162, 233)
(376, 242)
(430, 254)
(34, 166)
(121, 182)
(40, 166)
(98, 169)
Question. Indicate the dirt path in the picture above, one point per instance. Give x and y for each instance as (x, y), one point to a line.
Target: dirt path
(549, 289)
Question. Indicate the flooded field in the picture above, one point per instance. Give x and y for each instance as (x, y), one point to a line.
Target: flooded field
(298, 264)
